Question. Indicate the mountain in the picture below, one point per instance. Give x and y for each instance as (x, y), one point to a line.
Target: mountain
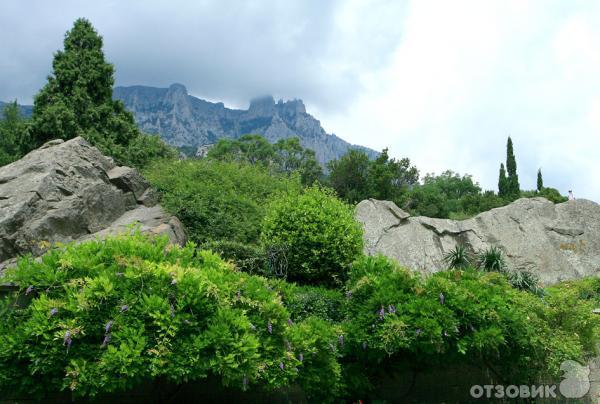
(183, 120)
(26, 110)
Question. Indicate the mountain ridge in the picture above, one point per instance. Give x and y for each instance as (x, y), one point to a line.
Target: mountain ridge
(184, 120)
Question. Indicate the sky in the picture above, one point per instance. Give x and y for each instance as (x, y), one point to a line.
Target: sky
(443, 83)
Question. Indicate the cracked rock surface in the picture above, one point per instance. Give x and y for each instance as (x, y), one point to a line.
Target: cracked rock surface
(556, 242)
(68, 191)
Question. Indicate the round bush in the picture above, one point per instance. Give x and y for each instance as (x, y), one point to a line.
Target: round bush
(318, 232)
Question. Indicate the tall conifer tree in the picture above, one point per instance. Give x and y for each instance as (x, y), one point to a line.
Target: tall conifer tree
(514, 189)
(540, 181)
(502, 182)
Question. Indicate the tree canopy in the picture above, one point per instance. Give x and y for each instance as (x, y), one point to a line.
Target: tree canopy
(77, 100)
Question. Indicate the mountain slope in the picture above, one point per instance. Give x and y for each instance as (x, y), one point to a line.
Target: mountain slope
(183, 120)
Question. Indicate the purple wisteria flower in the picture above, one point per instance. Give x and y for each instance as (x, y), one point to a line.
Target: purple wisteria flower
(442, 298)
(238, 295)
(29, 290)
(270, 327)
(341, 341)
(245, 382)
(172, 310)
(53, 312)
(106, 340)
(67, 339)
(301, 357)
(290, 322)
(364, 345)
(418, 332)
(288, 346)
(392, 309)
(281, 365)
(349, 295)
(125, 307)
(108, 326)
(381, 313)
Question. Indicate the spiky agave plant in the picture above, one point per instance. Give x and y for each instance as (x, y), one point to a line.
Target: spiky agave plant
(525, 280)
(491, 260)
(458, 257)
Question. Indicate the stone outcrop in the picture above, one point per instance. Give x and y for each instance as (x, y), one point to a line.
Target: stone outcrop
(556, 242)
(68, 191)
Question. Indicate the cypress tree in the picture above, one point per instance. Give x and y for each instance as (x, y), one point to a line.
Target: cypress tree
(540, 181)
(502, 182)
(514, 189)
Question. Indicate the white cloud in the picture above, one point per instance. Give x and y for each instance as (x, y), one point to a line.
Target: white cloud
(466, 74)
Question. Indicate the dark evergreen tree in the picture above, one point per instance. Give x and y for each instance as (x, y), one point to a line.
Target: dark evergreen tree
(540, 181)
(77, 101)
(514, 189)
(502, 182)
(14, 134)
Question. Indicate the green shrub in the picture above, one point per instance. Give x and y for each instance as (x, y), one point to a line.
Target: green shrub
(218, 200)
(320, 234)
(306, 301)
(395, 317)
(248, 258)
(108, 315)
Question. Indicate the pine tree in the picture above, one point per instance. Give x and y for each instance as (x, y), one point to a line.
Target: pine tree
(540, 181)
(77, 99)
(513, 189)
(502, 182)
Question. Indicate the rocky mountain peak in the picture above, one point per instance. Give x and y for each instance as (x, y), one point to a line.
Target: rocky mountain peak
(177, 88)
(292, 107)
(262, 106)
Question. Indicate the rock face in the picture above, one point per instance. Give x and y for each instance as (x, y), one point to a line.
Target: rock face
(68, 191)
(556, 242)
(186, 121)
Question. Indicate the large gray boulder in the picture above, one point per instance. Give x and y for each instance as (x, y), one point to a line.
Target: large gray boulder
(556, 242)
(68, 191)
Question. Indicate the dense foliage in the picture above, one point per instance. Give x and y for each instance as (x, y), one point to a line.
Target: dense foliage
(355, 178)
(218, 200)
(448, 195)
(107, 315)
(285, 156)
(77, 101)
(460, 316)
(317, 231)
(14, 134)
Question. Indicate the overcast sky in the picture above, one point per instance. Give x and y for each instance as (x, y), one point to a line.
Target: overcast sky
(441, 82)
